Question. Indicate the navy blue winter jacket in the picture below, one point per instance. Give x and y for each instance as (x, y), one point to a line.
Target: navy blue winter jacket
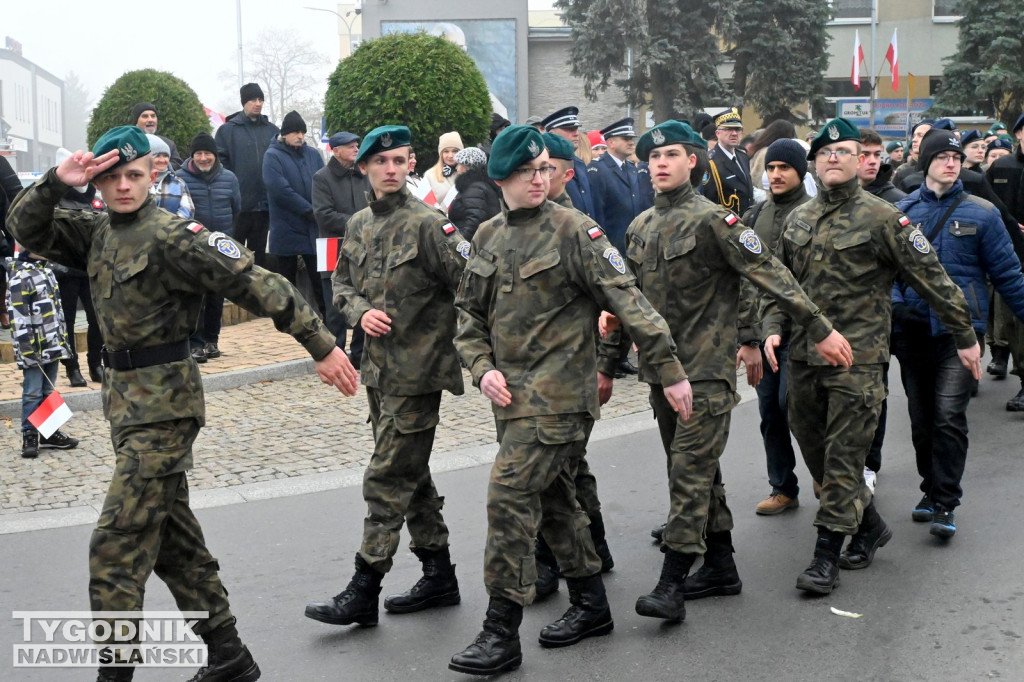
(241, 144)
(971, 244)
(288, 175)
(215, 195)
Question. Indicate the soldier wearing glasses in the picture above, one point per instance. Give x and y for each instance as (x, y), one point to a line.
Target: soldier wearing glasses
(537, 277)
(846, 248)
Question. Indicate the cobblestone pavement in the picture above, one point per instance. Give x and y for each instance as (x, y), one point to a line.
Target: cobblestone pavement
(263, 431)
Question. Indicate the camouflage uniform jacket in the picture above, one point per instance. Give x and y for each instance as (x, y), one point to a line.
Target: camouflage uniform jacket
(534, 285)
(563, 200)
(404, 258)
(766, 219)
(38, 332)
(148, 272)
(846, 247)
(688, 255)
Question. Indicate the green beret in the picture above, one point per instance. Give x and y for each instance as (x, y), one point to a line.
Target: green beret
(669, 132)
(836, 130)
(129, 141)
(513, 147)
(383, 139)
(893, 146)
(558, 147)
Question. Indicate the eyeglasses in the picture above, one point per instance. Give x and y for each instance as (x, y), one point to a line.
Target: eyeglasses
(839, 154)
(528, 174)
(947, 157)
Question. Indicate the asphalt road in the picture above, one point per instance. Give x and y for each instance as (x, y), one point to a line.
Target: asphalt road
(931, 610)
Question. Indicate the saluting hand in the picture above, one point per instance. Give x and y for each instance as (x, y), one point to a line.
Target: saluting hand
(81, 167)
(335, 369)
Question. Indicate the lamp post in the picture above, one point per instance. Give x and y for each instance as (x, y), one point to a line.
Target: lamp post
(349, 23)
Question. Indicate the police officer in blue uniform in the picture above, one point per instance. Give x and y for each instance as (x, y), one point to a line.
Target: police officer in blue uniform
(728, 181)
(615, 182)
(566, 123)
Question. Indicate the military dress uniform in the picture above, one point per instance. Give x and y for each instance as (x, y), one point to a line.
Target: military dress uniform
(579, 189)
(404, 258)
(846, 247)
(727, 181)
(148, 273)
(615, 186)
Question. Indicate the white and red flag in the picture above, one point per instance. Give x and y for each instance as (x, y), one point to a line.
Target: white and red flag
(858, 57)
(327, 249)
(52, 414)
(893, 57)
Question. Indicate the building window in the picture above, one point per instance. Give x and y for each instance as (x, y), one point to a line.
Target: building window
(851, 10)
(946, 10)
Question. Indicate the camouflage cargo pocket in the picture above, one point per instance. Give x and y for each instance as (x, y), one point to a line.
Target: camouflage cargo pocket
(533, 450)
(414, 422)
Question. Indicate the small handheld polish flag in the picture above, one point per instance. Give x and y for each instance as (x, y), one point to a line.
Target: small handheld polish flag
(52, 414)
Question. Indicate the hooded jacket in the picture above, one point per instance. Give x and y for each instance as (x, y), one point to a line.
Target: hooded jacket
(972, 245)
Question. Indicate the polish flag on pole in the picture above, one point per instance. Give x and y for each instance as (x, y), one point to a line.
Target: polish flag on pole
(52, 414)
(892, 56)
(858, 57)
(327, 253)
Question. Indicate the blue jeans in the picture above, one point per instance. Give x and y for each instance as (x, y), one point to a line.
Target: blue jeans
(778, 446)
(35, 389)
(938, 390)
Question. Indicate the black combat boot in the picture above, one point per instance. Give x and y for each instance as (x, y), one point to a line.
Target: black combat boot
(872, 534)
(548, 570)
(718, 576)
(667, 599)
(658, 532)
(358, 602)
(600, 543)
(228, 660)
(75, 377)
(437, 587)
(30, 444)
(588, 615)
(1000, 359)
(110, 674)
(496, 649)
(822, 576)
(547, 580)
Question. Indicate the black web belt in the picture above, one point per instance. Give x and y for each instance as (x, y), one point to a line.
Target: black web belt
(146, 357)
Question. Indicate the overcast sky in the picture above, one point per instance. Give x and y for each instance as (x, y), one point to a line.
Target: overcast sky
(195, 40)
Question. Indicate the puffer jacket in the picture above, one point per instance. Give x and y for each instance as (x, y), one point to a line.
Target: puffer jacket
(215, 195)
(479, 199)
(288, 176)
(242, 144)
(971, 244)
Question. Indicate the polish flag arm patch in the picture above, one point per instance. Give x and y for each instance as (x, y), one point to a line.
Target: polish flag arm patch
(448, 228)
(731, 220)
(595, 232)
(904, 221)
(194, 228)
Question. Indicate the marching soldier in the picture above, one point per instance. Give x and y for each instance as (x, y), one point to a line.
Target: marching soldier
(148, 272)
(401, 263)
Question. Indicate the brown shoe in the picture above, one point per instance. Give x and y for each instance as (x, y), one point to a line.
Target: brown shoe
(776, 503)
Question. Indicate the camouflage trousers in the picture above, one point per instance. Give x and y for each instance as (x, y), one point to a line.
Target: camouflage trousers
(397, 485)
(1008, 331)
(833, 413)
(697, 503)
(147, 526)
(531, 489)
